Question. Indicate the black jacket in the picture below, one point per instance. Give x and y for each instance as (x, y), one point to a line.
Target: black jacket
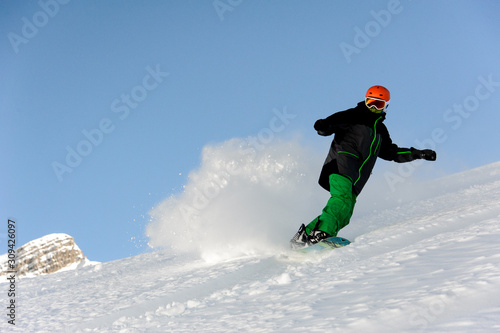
(360, 137)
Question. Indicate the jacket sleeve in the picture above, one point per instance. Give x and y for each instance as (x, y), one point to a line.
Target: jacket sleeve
(391, 152)
(336, 122)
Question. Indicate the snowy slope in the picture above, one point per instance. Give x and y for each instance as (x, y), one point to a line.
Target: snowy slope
(431, 265)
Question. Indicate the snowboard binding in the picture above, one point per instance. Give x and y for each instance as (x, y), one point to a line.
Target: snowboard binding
(302, 239)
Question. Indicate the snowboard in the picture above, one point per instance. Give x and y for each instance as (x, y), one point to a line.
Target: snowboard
(325, 244)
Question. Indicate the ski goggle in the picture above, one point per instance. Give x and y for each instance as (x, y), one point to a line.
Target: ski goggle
(376, 103)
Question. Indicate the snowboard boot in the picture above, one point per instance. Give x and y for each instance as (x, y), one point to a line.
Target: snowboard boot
(317, 236)
(301, 239)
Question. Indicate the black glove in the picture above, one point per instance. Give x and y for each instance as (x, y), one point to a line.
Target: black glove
(426, 154)
(322, 127)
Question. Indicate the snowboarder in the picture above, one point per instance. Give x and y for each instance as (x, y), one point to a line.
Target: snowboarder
(360, 137)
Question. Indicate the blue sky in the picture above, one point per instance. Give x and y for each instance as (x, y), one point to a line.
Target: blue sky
(106, 106)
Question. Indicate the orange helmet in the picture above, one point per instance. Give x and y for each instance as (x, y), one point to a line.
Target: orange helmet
(377, 99)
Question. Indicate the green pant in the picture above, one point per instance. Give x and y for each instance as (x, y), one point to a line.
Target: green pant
(339, 208)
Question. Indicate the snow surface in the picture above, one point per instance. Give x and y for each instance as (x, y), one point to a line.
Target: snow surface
(429, 264)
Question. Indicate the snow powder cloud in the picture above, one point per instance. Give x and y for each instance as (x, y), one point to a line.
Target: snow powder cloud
(243, 199)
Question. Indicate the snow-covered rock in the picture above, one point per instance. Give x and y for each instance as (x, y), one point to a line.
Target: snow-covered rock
(46, 255)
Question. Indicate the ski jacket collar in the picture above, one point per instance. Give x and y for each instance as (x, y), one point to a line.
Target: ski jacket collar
(367, 114)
